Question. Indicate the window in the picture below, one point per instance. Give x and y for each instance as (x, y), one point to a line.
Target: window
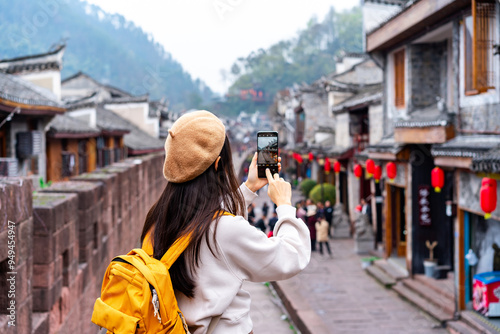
(82, 156)
(399, 79)
(479, 38)
(68, 164)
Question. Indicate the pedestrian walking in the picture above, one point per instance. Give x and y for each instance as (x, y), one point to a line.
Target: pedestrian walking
(311, 221)
(261, 225)
(273, 220)
(265, 209)
(301, 210)
(329, 215)
(251, 214)
(203, 202)
(322, 228)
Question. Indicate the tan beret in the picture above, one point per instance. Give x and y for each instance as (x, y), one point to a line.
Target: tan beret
(193, 144)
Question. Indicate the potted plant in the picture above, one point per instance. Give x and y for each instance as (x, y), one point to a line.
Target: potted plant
(430, 263)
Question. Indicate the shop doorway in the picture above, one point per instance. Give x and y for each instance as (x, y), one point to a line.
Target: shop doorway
(344, 198)
(479, 236)
(396, 222)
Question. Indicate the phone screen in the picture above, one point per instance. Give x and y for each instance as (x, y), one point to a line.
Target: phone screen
(267, 147)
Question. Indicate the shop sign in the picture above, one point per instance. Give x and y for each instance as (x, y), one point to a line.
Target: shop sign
(424, 205)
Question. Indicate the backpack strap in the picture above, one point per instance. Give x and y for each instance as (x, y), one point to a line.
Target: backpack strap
(177, 247)
(175, 250)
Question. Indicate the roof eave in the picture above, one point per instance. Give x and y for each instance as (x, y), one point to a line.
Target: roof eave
(26, 109)
(419, 16)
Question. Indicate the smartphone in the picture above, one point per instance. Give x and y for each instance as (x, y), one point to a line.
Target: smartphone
(267, 152)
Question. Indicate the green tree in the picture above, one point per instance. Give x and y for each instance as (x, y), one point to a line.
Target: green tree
(322, 195)
(304, 58)
(306, 186)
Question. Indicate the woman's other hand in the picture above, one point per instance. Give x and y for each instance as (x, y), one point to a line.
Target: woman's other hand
(253, 182)
(279, 191)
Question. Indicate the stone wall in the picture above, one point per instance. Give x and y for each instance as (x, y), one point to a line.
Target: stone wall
(16, 230)
(480, 118)
(428, 64)
(74, 229)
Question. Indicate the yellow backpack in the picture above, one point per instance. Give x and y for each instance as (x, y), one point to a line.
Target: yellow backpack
(137, 294)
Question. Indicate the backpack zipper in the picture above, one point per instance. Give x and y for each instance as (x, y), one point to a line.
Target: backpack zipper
(156, 303)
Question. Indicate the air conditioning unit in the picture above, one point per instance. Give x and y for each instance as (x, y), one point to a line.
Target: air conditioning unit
(28, 144)
(8, 166)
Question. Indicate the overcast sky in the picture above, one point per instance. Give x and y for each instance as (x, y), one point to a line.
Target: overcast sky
(206, 36)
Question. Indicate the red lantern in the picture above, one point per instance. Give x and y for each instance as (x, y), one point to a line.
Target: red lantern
(370, 167)
(298, 157)
(488, 196)
(311, 156)
(377, 173)
(328, 165)
(358, 170)
(392, 170)
(359, 208)
(437, 179)
(336, 167)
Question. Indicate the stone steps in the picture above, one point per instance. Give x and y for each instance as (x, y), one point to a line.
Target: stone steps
(460, 327)
(444, 287)
(392, 269)
(478, 322)
(435, 297)
(380, 276)
(424, 304)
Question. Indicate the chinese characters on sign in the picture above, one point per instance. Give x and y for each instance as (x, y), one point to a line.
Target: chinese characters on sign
(424, 205)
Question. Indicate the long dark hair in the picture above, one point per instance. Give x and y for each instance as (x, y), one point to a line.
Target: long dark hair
(190, 207)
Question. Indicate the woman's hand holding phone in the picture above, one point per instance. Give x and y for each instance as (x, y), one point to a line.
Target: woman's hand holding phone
(279, 191)
(253, 181)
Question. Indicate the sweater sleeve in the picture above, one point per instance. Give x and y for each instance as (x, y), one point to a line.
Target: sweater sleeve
(252, 256)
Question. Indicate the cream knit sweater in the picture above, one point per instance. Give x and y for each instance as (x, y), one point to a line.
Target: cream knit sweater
(245, 253)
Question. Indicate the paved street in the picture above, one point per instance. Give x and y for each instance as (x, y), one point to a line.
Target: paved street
(336, 296)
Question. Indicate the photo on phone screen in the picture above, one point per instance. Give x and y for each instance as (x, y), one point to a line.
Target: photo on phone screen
(267, 152)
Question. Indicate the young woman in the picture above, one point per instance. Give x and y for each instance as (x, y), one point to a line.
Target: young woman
(203, 199)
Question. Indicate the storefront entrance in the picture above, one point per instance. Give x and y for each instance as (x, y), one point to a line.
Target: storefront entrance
(395, 233)
(479, 236)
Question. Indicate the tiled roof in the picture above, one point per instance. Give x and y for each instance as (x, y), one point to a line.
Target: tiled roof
(426, 117)
(466, 146)
(17, 90)
(139, 140)
(136, 139)
(404, 7)
(386, 145)
(488, 162)
(38, 62)
(84, 102)
(158, 108)
(363, 73)
(371, 94)
(114, 91)
(64, 124)
(109, 121)
(128, 99)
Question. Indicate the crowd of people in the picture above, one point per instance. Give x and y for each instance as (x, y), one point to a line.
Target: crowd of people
(318, 218)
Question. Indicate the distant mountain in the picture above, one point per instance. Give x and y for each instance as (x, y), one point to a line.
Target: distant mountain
(107, 47)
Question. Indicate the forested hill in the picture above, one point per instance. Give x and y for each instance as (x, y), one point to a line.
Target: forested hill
(304, 58)
(107, 47)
